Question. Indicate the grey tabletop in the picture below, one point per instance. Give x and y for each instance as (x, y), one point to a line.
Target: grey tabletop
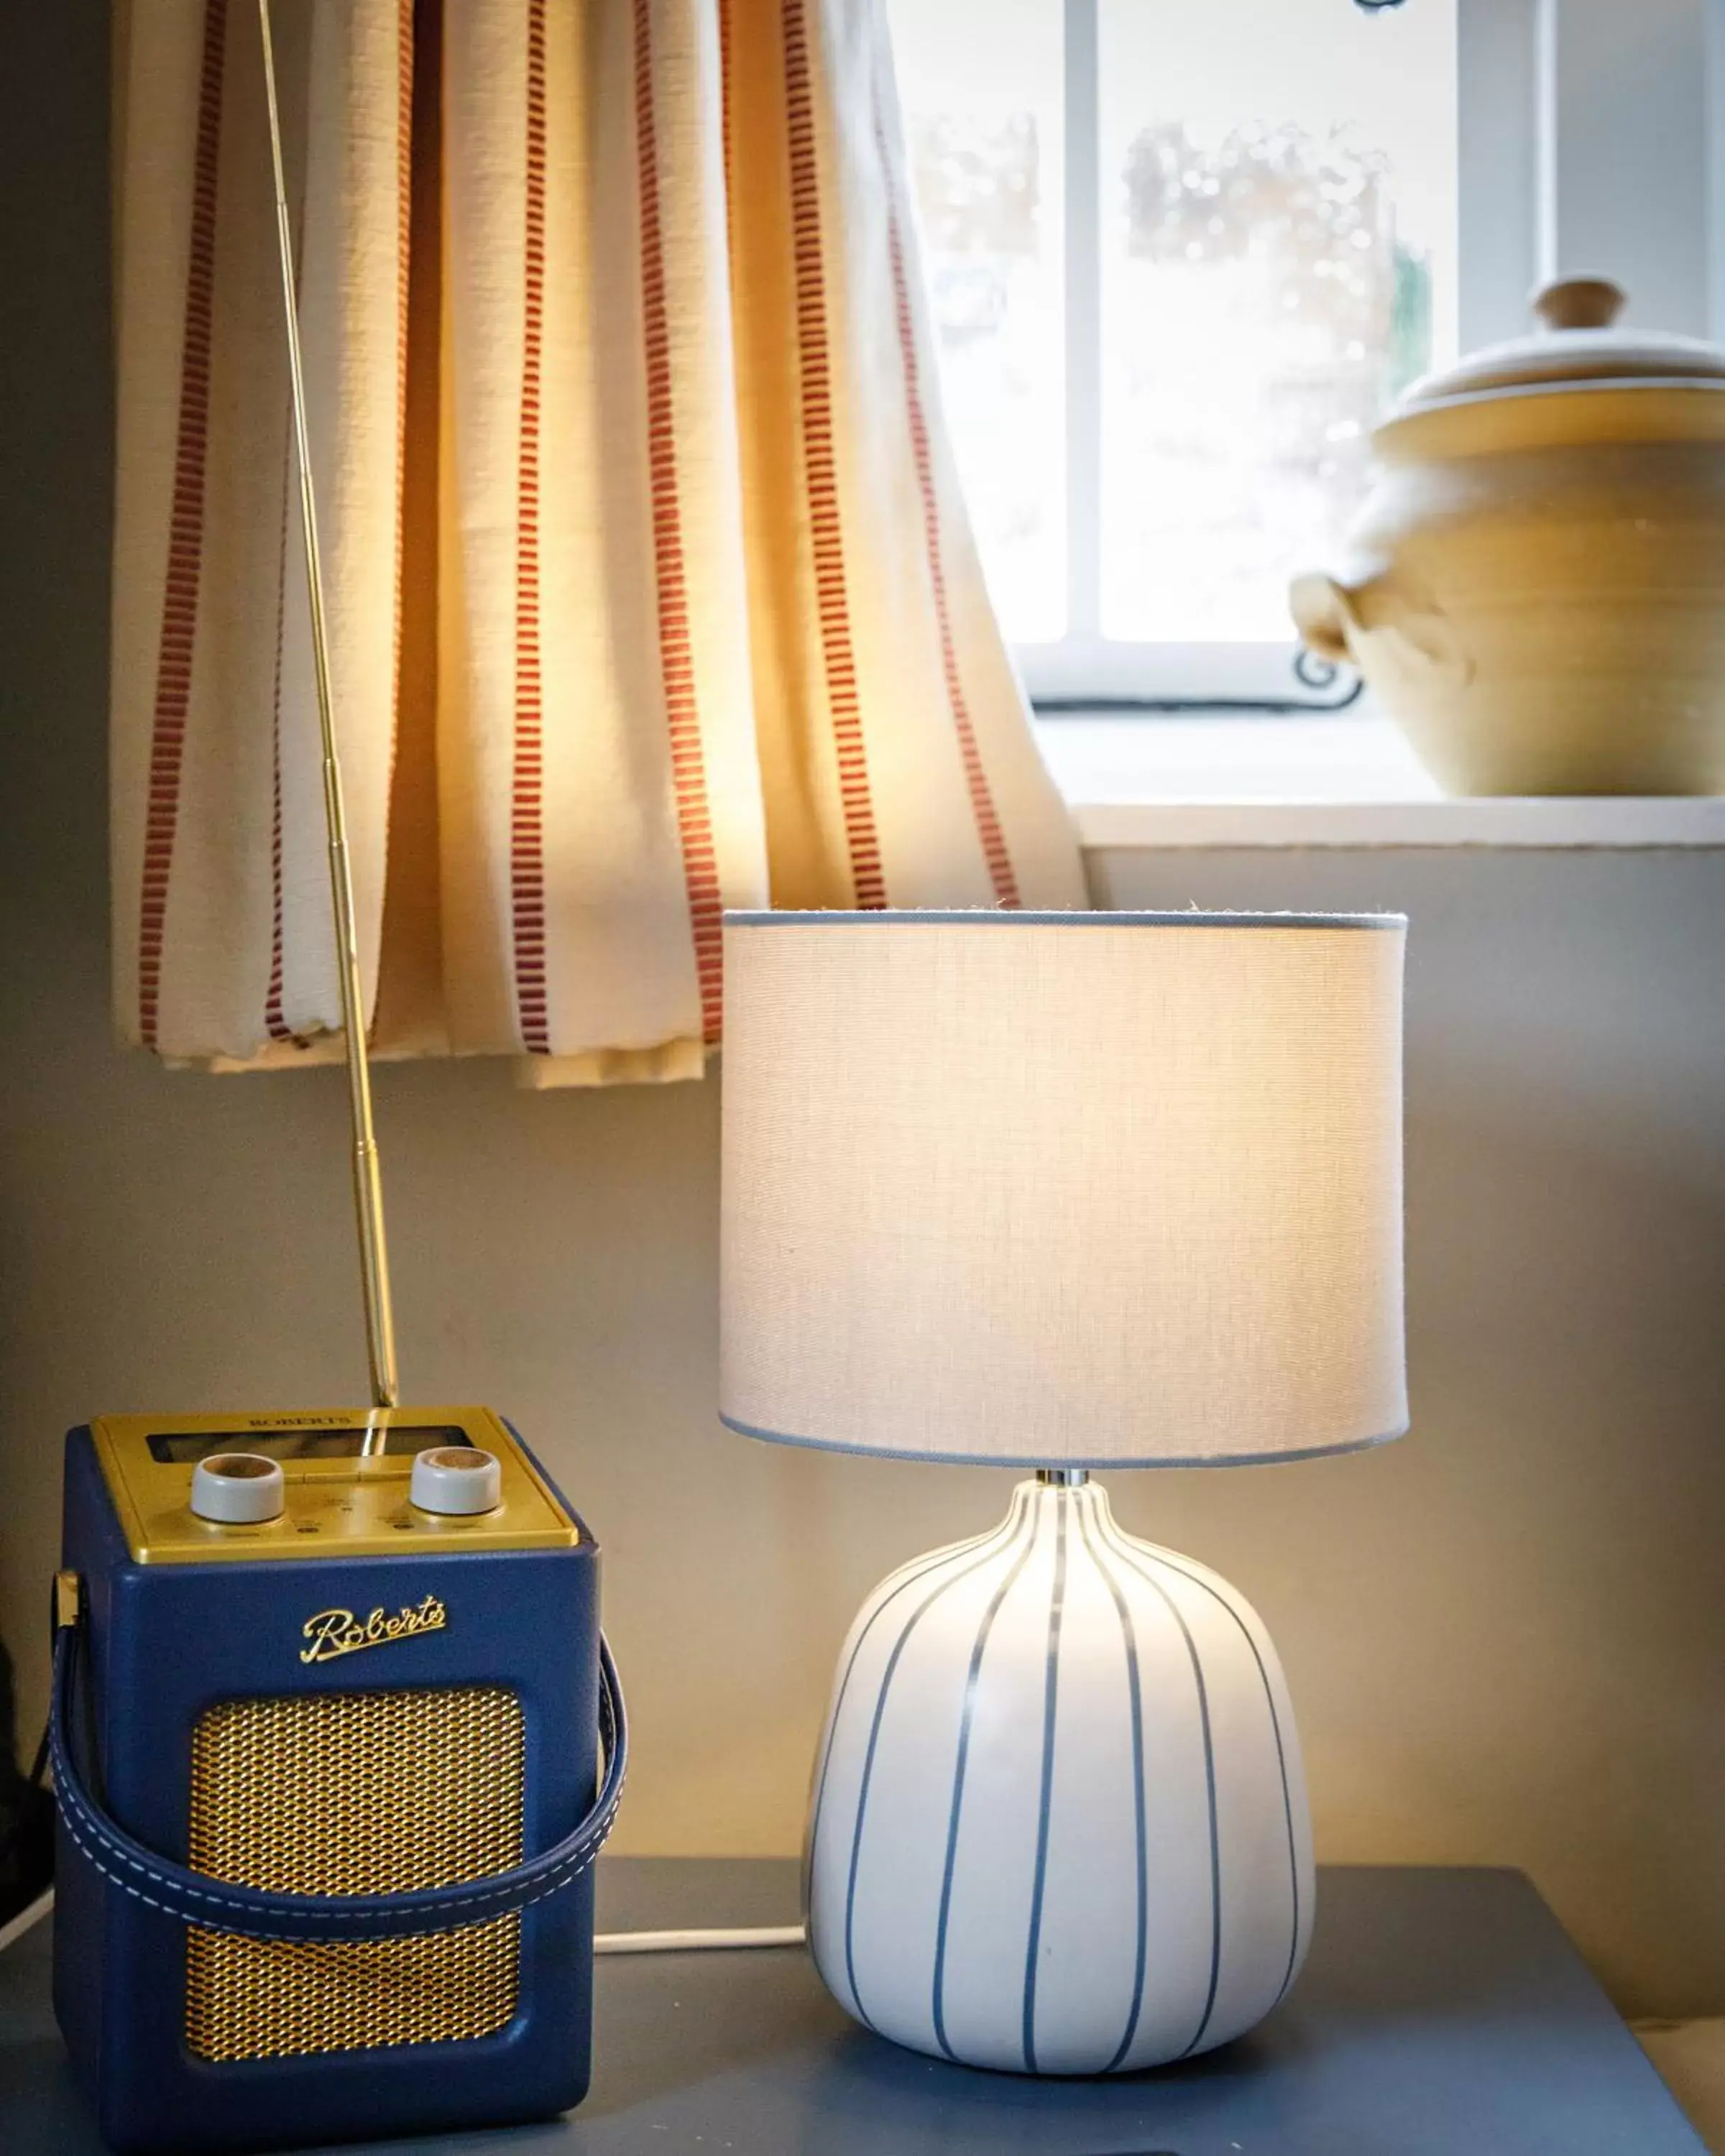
(1441, 2012)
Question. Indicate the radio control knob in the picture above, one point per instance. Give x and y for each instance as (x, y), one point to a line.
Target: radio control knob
(238, 1489)
(456, 1478)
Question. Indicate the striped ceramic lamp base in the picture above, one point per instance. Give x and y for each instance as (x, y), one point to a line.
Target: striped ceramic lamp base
(1060, 1824)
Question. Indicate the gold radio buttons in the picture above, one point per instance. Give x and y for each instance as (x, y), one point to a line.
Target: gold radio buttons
(238, 1489)
(456, 1478)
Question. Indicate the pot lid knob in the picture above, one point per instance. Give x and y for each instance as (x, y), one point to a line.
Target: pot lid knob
(1579, 303)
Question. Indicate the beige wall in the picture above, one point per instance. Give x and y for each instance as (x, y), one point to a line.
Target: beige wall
(1505, 1635)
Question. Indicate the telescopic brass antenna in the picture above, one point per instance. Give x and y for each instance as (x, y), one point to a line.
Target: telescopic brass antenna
(367, 1179)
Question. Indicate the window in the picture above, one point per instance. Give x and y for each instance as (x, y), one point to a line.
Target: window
(1181, 257)
(1183, 253)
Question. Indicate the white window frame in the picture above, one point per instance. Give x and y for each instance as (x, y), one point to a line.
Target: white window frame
(1591, 138)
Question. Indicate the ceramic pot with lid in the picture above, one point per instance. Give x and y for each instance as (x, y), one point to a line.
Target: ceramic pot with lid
(1535, 586)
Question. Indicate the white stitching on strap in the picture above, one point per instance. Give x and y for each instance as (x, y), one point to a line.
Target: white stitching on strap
(561, 1876)
(290, 1939)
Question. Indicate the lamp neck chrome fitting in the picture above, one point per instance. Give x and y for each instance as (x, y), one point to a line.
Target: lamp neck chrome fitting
(1063, 1478)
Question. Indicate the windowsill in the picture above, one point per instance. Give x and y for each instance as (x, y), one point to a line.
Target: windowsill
(1240, 782)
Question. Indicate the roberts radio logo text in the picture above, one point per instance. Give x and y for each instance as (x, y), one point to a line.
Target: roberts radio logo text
(335, 1632)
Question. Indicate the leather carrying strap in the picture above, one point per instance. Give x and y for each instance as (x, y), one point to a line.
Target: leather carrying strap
(213, 1905)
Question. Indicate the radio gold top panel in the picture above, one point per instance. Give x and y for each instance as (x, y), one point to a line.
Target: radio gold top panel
(347, 1474)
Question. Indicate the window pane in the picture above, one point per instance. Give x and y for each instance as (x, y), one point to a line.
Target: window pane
(980, 81)
(1278, 219)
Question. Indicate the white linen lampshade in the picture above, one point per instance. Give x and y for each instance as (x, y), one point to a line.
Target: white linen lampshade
(1061, 1191)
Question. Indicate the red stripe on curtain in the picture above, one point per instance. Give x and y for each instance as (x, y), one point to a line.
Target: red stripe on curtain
(982, 799)
(526, 855)
(726, 123)
(700, 863)
(274, 1019)
(403, 257)
(826, 530)
(185, 544)
(275, 1023)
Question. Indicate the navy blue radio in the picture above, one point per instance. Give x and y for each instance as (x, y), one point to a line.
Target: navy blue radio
(336, 1740)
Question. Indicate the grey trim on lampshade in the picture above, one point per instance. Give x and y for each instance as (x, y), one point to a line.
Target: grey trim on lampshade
(995, 916)
(1098, 1463)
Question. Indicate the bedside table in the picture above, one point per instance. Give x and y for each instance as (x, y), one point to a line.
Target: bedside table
(1442, 2013)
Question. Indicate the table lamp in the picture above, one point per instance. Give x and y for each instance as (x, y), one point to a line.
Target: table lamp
(1062, 1191)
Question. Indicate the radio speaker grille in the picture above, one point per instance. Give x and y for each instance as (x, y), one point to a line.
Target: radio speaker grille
(354, 1793)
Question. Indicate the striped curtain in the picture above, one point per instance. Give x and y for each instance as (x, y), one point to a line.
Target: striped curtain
(651, 588)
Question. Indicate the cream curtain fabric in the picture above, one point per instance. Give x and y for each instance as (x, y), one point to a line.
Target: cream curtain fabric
(650, 587)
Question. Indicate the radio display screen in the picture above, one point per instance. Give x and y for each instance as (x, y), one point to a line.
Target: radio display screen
(174, 1447)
